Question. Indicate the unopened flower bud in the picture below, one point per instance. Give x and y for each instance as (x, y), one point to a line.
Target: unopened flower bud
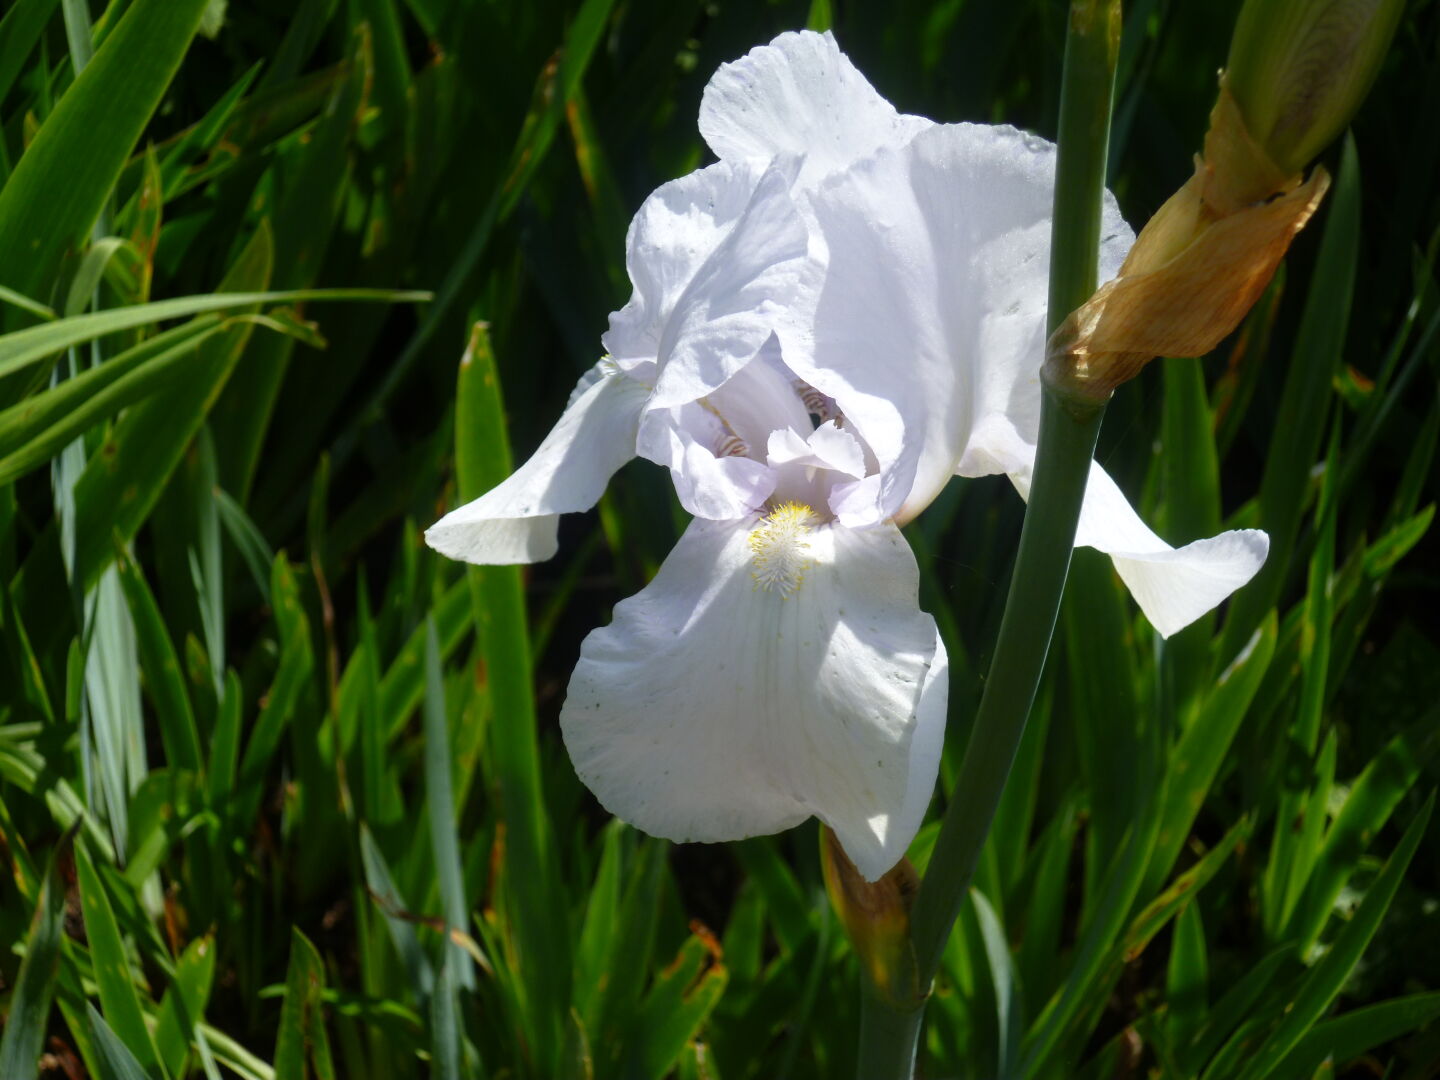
(1300, 68)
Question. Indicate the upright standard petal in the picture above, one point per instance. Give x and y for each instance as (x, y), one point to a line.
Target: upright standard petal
(1173, 586)
(771, 671)
(717, 258)
(799, 95)
(932, 310)
(517, 521)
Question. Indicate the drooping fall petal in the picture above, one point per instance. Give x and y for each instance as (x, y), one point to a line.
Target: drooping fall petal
(723, 703)
(1173, 586)
(517, 521)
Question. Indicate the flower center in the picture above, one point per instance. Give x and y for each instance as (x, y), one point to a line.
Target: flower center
(780, 550)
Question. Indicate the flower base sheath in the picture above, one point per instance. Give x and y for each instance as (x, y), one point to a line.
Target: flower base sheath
(843, 312)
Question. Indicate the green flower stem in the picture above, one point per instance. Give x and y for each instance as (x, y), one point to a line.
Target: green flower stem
(1092, 46)
(1062, 464)
(888, 1038)
(1069, 425)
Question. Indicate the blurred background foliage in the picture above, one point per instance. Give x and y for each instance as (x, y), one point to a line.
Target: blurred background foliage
(282, 793)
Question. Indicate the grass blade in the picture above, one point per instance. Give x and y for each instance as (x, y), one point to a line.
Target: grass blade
(1329, 975)
(24, 1032)
(311, 192)
(1159, 911)
(1186, 978)
(1009, 1016)
(1113, 901)
(206, 566)
(20, 29)
(301, 1044)
(1045, 913)
(184, 1004)
(613, 1013)
(1347, 1037)
(21, 348)
(112, 698)
(178, 731)
(24, 303)
(112, 965)
(117, 1062)
(1300, 423)
(1196, 758)
(60, 185)
(1365, 811)
(1293, 851)
(121, 484)
(254, 549)
(678, 1004)
(1108, 720)
(34, 430)
(482, 454)
(444, 1020)
(402, 931)
(1231, 1010)
(1190, 471)
(598, 930)
(297, 662)
(444, 841)
(225, 743)
(403, 686)
(553, 92)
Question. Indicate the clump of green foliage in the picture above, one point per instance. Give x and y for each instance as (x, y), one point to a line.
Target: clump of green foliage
(281, 793)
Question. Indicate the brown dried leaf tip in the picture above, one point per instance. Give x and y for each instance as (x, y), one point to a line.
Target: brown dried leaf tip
(1197, 267)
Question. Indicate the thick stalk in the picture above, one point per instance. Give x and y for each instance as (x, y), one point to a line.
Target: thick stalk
(1062, 465)
(1069, 425)
(888, 1038)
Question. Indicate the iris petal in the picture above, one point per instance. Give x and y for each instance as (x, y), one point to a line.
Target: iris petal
(714, 709)
(932, 310)
(1173, 586)
(517, 521)
(799, 95)
(717, 259)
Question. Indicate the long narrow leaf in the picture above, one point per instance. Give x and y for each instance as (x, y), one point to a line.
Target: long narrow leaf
(301, 1043)
(1009, 1019)
(444, 841)
(1328, 976)
(21, 348)
(1366, 809)
(498, 605)
(1299, 426)
(112, 964)
(1346, 1037)
(24, 1032)
(1197, 757)
(60, 185)
(19, 30)
(117, 1060)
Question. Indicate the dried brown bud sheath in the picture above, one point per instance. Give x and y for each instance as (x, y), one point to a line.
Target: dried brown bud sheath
(1195, 270)
(876, 915)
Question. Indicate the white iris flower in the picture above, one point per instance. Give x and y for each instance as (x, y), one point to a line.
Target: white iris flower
(842, 313)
